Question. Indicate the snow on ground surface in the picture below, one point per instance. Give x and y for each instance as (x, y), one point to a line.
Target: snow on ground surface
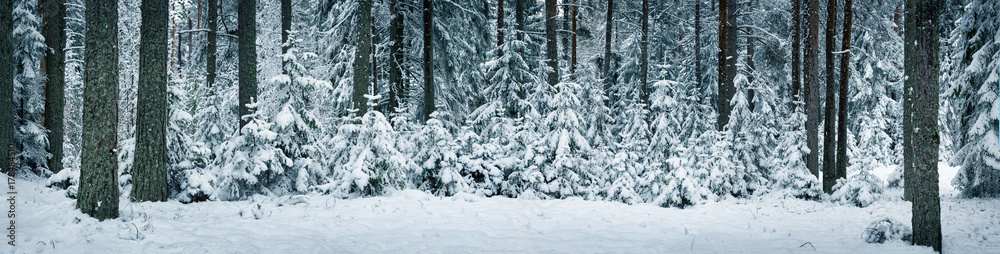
(415, 222)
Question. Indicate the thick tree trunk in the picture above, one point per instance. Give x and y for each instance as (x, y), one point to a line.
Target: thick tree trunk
(428, 61)
(697, 49)
(362, 70)
(921, 47)
(54, 31)
(6, 86)
(812, 88)
(796, 51)
(551, 47)
(830, 114)
(728, 56)
(845, 74)
(213, 43)
(565, 30)
(248, 56)
(644, 55)
(395, 56)
(98, 192)
(149, 177)
(608, 27)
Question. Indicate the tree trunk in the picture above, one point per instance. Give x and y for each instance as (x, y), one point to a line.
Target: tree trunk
(728, 56)
(98, 191)
(752, 67)
(845, 74)
(697, 49)
(428, 61)
(551, 48)
(149, 177)
(519, 18)
(286, 23)
(54, 31)
(574, 12)
(395, 56)
(830, 114)
(500, 19)
(796, 51)
(213, 44)
(921, 35)
(7, 150)
(566, 29)
(362, 70)
(248, 56)
(608, 27)
(812, 88)
(644, 55)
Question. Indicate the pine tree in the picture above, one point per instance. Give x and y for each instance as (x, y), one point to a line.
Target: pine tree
(796, 51)
(53, 28)
(211, 50)
(362, 57)
(830, 114)
(149, 176)
(921, 66)
(428, 25)
(606, 62)
(552, 48)
(98, 192)
(30, 135)
(6, 86)
(845, 74)
(728, 56)
(812, 87)
(248, 56)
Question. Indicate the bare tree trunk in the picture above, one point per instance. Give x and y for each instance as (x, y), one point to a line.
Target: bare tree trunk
(607, 53)
(575, 12)
(7, 149)
(149, 177)
(552, 49)
(247, 56)
(54, 64)
(697, 49)
(845, 74)
(500, 28)
(98, 192)
(796, 51)
(519, 18)
(428, 60)
(830, 123)
(362, 70)
(396, 91)
(644, 56)
(812, 88)
(213, 44)
(921, 47)
(728, 56)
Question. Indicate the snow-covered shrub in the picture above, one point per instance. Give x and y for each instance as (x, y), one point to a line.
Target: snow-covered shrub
(790, 176)
(563, 168)
(861, 189)
(703, 173)
(888, 229)
(364, 158)
(437, 154)
(483, 175)
(250, 163)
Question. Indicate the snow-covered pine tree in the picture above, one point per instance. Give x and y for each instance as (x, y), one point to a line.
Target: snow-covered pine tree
(29, 100)
(562, 168)
(973, 77)
(790, 177)
(437, 153)
(250, 163)
(753, 133)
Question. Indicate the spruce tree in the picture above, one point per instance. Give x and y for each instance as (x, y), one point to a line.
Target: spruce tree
(247, 26)
(6, 86)
(53, 28)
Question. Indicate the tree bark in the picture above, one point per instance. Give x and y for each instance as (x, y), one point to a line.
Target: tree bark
(362, 70)
(213, 44)
(845, 74)
(752, 67)
(149, 178)
(286, 23)
(519, 18)
(565, 30)
(697, 49)
(248, 56)
(728, 56)
(644, 55)
(830, 114)
(54, 64)
(608, 27)
(551, 46)
(428, 61)
(812, 88)
(98, 191)
(796, 51)
(921, 47)
(500, 20)
(395, 56)
(7, 149)
(575, 12)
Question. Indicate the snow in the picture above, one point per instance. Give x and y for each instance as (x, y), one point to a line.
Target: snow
(416, 222)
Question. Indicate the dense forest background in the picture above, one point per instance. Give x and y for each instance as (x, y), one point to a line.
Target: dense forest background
(607, 100)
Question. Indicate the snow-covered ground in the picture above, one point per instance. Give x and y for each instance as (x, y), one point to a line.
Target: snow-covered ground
(415, 222)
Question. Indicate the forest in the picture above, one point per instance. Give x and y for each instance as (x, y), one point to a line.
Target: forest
(667, 105)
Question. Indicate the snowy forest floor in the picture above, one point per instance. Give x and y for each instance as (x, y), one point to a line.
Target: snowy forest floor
(416, 222)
